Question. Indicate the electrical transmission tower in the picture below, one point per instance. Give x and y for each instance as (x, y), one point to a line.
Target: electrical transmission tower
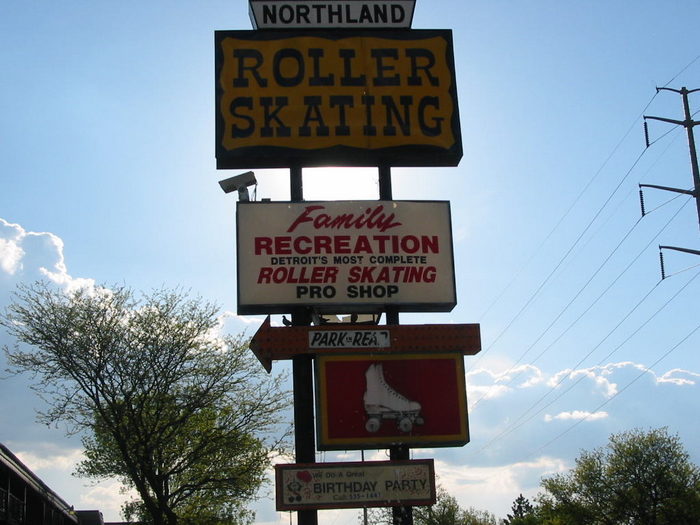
(688, 123)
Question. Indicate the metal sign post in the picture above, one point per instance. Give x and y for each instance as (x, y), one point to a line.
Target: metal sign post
(401, 515)
(302, 377)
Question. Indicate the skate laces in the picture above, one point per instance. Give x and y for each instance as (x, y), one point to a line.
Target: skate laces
(393, 392)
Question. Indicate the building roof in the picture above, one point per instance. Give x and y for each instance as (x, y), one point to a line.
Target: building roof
(13, 463)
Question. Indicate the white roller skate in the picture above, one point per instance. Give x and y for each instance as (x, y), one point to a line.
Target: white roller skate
(383, 402)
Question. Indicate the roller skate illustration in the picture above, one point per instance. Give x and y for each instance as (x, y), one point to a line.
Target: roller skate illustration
(383, 402)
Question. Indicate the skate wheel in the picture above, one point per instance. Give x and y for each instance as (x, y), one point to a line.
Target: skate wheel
(405, 425)
(419, 421)
(372, 424)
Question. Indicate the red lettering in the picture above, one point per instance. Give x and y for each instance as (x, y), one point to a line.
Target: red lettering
(283, 245)
(342, 244)
(265, 275)
(383, 276)
(346, 244)
(263, 245)
(298, 274)
(381, 239)
(280, 275)
(410, 244)
(398, 271)
(354, 274)
(362, 245)
(302, 244)
(430, 244)
(317, 274)
(323, 244)
(367, 276)
(304, 217)
(372, 218)
(331, 274)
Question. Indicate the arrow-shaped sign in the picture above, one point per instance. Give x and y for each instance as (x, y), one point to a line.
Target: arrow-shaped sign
(272, 343)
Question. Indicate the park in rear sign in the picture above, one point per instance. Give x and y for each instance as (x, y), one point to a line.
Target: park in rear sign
(343, 256)
(351, 97)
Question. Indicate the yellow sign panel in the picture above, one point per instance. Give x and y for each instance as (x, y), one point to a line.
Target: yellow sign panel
(313, 99)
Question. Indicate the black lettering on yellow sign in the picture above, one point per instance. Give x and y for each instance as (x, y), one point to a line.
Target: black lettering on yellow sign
(311, 93)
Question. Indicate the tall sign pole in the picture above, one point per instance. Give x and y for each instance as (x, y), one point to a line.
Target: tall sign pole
(302, 378)
(401, 515)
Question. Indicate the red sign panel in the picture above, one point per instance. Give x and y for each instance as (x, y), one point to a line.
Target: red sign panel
(369, 401)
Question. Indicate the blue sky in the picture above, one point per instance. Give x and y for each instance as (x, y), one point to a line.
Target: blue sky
(108, 176)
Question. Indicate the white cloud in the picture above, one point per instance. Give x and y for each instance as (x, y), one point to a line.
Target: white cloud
(576, 415)
(460, 233)
(49, 457)
(495, 487)
(245, 319)
(477, 393)
(28, 256)
(510, 423)
(107, 496)
(10, 255)
(519, 433)
(608, 388)
(528, 375)
(483, 383)
(599, 376)
(55, 466)
(672, 376)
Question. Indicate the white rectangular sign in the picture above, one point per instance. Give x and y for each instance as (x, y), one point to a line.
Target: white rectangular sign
(349, 339)
(342, 256)
(313, 14)
(353, 484)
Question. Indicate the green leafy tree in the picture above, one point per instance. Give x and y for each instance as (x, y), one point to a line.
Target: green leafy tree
(640, 478)
(523, 513)
(187, 419)
(445, 511)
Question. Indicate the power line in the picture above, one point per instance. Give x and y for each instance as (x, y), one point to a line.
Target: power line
(624, 318)
(529, 301)
(682, 70)
(562, 259)
(618, 393)
(564, 216)
(549, 276)
(551, 324)
(566, 213)
(520, 422)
